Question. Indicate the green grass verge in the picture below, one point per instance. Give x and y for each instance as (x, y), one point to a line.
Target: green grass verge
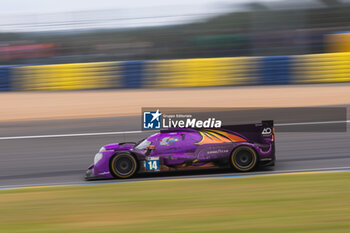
(284, 203)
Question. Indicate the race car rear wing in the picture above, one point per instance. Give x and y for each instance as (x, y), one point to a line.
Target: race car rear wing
(260, 132)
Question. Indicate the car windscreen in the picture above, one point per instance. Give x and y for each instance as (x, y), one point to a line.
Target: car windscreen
(142, 145)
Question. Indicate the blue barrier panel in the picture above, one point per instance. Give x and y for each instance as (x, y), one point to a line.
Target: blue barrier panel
(275, 70)
(133, 73)
(5, 78)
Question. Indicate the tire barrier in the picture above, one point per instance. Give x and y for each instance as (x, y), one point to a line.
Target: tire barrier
(5, 78)
(321, 68)
(77, 76)
(275, 70)
(227, 71)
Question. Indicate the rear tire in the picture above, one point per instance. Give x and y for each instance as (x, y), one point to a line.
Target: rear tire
(123, 165)
(244, 158)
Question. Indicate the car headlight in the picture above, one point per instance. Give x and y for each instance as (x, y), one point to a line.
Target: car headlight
(102, 149)
(97, 158)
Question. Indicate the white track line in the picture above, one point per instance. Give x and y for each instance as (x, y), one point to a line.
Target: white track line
(70, 135)
(138, 131)
(196, 177)
(313, 123)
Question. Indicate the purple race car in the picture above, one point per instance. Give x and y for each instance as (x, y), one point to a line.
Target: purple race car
(242, 147)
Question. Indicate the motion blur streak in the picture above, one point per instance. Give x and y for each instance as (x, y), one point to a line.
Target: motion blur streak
(322, 68)
(242, 43)
(138, 132)
(66, 76)
(78, 76)
(177, 178)
(60, 160)
(202, 72)
(315, 68)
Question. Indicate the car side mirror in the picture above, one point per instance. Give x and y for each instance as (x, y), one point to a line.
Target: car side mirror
(149, 149)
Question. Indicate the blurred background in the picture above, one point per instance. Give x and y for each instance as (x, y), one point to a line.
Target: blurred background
(49, 133)
(113, 44)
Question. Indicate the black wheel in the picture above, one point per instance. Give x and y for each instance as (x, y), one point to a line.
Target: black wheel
(244, 158)
(123, 165)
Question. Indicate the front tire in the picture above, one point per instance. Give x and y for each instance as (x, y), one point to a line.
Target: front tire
(123, 165)
(244, 158)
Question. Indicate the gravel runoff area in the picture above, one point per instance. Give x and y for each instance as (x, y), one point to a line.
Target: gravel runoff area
(23, 106)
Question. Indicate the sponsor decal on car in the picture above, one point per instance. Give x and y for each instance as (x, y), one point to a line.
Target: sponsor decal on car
(217, 151)
(266, 132)
(104, 173)
(167, 141)
(210, 136)
(152, 164)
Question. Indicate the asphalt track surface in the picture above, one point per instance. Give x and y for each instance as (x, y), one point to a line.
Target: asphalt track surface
(62, 157)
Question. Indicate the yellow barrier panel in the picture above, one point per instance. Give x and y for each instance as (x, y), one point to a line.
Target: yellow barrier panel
(66, 76)
(201, 72)
(338, 42)
(322, 68)
(313, 68)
